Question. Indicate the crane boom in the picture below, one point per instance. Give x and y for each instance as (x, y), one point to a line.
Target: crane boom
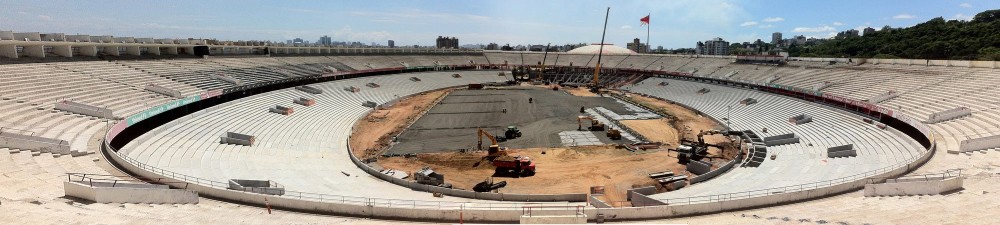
(482, 133)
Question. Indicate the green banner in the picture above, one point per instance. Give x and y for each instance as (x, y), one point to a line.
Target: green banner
(138, 117)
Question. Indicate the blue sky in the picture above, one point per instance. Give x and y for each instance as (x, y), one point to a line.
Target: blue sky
(675, 23)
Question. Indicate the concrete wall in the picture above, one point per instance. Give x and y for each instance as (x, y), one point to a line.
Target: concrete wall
(369, 207)
(929, 187)
(130, 195)
(41, 144)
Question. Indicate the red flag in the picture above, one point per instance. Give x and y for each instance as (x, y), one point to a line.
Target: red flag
(644, 20)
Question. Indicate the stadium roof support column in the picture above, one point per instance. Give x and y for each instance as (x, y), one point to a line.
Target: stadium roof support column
(63, 50)
(132, 50)
(189, 50)
(171, 50)
(9, 51)
(110, 50)
(37, 51)
(88, 50)
(154, 50)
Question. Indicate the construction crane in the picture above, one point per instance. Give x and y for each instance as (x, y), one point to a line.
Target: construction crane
(690, 150)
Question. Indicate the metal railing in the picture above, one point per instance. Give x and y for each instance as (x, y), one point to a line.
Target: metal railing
(452, 205)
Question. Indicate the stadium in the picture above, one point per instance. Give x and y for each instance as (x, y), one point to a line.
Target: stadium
(109, 130)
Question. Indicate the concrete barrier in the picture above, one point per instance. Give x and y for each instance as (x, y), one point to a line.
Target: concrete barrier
(309, 89)
(304, 101)
(841, 151)
(923, 187)
(267, 187)
(597, 203)
(237, 139)
(647, 190)
(800, 119)
(84, 109)
(883, 97)
(782, 139)
(40, 144)
(163, 90)
(976, 144)
(136, 193)
(281, 110)
(698, 167)
(228, 79)
(949, 114)
(714, 173)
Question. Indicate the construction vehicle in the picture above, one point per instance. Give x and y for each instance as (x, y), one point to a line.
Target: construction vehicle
(512, 132)
(690, 150)
(594, 124)
(494, 149)
(488, 185)
(614, 134)
(514, 165)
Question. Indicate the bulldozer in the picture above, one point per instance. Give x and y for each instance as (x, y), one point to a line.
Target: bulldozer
(614, 134)
(594, 124)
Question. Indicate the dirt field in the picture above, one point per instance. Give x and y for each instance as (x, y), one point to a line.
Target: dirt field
(371, 133)
(687, 122)
(583, 92)
(656, 130)
(559, 170)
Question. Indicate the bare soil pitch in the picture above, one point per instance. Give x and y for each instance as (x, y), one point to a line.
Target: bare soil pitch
(451, 125)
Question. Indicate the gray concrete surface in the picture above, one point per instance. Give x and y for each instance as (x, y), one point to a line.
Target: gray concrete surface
(451, 124)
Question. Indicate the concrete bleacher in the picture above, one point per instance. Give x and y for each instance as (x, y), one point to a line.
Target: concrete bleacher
(312, 139)
(799, 163)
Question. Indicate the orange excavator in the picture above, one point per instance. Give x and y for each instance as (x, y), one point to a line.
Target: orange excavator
(516, 165)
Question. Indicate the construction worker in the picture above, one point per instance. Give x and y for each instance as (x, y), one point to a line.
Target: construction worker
(530, 100)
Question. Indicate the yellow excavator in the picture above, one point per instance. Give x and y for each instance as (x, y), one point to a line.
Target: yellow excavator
(494, 148)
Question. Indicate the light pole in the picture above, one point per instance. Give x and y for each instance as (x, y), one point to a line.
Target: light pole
(729, 110)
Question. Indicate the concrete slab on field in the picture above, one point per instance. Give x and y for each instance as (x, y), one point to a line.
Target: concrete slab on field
(579, 138)
(451, 124)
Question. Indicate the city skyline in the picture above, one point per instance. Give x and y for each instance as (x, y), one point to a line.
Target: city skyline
(675, 24)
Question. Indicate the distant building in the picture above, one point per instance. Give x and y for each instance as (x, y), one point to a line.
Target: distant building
(297, 42)
(847, 34)
(715, 46)
(869, 30)
(392, 44)
(325, 41)
(288, 42)
(493, 46)
(776, 38)
(637, 46)
(447, 42)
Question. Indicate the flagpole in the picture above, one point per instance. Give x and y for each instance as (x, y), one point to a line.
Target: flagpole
(647, 35)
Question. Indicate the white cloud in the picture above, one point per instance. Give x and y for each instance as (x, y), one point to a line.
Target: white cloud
(44, 18)
(904, 16)
(837, 24)
(813, 29)
(748, 23)
(626, 27)
(766, 26)
(965, 5)
(773, 19)
(22, 13)
(962, 17)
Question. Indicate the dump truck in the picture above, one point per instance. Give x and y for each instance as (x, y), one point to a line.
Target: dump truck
(515, 165)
